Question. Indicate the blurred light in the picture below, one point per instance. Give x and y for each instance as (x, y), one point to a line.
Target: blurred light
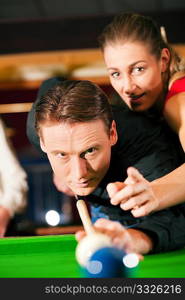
(52, 217)
(94, 266)
(131, 260)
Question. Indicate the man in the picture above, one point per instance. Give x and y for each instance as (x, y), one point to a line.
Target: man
(77, 131)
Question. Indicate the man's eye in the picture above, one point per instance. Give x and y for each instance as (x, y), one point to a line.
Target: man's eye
(89, 152)
(61, 155)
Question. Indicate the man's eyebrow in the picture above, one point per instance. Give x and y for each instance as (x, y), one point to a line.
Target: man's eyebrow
(85, 149)
(57, 151)
(93, 146)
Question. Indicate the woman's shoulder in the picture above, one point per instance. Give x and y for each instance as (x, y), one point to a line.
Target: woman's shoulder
(175, 78)
(176, 85)
(175, 102)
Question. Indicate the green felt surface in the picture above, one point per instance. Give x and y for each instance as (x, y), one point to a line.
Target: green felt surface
(54, 257)
(163, 265)
(38, 257)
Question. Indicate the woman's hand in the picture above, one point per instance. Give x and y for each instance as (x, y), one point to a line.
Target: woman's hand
(135, 194)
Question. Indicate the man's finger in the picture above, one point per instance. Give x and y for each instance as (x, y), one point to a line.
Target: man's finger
(108, 225)
(79, 235)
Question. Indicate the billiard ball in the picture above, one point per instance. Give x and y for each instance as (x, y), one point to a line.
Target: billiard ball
(89, 244)
(106, 262)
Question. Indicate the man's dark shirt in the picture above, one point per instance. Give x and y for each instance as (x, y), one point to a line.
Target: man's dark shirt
(148, 145)
(144, 142)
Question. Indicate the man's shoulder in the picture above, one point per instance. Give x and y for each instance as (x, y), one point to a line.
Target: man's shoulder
(127, 120)
(120, 112)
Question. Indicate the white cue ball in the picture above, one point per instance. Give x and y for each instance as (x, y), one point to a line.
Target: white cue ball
(90, 244)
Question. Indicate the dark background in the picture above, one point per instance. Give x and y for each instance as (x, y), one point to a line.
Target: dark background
(40, 25)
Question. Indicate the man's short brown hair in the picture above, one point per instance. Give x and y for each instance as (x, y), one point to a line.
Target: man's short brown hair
(74, 101)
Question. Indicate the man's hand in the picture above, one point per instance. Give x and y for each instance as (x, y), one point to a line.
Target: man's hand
(129, 240)
(4, 220)
(135, 194)
(119, 235)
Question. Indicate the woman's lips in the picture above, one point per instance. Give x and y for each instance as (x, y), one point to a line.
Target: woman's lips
(136, 98)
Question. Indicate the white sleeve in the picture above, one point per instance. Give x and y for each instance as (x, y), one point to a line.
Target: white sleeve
(13, 179)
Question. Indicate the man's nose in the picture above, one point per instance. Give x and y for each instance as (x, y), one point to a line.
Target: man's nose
(79, 169)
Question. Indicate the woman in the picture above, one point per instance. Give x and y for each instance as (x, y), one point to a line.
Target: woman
(149, 76)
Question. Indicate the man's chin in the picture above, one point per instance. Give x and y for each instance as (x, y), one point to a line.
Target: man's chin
(84, 191)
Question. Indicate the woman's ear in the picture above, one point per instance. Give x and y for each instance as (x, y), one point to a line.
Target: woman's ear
(113, 134)
(165, 58)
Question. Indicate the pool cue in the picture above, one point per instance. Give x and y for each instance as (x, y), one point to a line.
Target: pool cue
(163, 33)
(85, 218)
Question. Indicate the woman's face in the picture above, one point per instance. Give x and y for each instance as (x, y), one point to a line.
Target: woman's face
(135, 73)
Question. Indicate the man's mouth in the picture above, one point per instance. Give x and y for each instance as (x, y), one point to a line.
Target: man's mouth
(81, 184)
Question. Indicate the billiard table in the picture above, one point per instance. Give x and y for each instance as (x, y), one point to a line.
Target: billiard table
(53, 256)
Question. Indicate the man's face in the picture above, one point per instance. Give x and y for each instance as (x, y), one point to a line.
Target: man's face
(79, 153)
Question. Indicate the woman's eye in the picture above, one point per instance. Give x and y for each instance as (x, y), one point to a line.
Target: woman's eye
(138, 70)
(115, 75)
